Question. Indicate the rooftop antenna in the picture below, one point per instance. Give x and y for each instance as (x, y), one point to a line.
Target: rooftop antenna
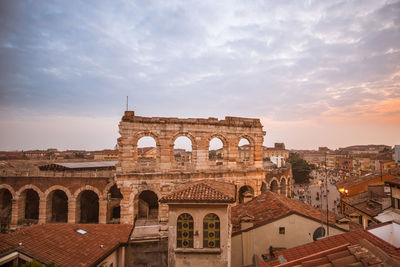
(127, 101)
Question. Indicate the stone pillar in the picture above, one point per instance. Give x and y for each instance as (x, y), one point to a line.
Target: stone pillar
(166, 153)
(258, 151)
(43, 211)
(201, 153)
(21, 202)
(72, 211)
(103, 211)
(14, 214)
(127, 209)
(232, 152)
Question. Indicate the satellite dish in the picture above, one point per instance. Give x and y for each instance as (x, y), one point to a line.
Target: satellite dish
(318, 233)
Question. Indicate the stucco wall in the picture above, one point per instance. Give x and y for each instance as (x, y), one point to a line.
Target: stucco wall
(117, 258)
(298, 230)
(199, 256)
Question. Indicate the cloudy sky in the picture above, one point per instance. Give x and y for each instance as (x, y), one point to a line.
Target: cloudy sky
(317, 73)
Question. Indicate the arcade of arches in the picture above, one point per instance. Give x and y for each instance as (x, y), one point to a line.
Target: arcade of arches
(146, 172)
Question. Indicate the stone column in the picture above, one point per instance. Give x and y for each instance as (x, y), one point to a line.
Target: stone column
(201, 153)
(127, 209)
(166, 153)
(232, 152)
(14, 214)
(103, 211)
(43, 211)
(258, 151)
(72, 211)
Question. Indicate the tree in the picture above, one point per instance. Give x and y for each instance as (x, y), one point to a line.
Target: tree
(301, 169)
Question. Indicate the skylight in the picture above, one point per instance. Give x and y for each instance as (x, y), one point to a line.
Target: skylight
(81, 231)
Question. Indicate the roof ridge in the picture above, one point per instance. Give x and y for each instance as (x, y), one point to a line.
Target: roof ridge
(208, 187)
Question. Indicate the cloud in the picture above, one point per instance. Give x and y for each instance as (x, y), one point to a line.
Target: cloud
(286, 61)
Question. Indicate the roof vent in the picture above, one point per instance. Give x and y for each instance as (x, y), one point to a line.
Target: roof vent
(81, 231)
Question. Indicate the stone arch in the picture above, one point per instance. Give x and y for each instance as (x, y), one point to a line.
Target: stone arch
(274, 185)
(30, 186)
(193, 157)
(114, 197)
(225, 148)
(240, 157)
(139, 135)
(58, 187)
(247, 137)
(156, 139)
(87, 205)
(7, 194)
(147, 204)
(9, 188)
(28, 202)
(245, 193)
(90, 188)
(186, 134)
(220, 137)
(57, 204)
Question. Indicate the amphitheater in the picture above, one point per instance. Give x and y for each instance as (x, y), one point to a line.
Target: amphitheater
(127, 191)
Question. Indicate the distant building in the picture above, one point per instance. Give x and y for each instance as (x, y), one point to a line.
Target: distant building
(274, 221)
(106, 154)
(376, 246)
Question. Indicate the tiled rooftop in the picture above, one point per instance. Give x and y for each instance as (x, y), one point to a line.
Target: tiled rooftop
(271, 206)
(203, 191)
(350, 238)
(61, 244)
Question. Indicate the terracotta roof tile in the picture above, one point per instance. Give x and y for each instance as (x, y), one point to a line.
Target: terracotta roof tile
(331, 242)
(59, 243)
(203, 191)
(271, 206)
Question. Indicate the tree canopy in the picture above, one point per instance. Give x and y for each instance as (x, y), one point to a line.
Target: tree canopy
(301, 169)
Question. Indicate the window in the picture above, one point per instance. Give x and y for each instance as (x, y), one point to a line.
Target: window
(185, 231)
(281, 230)
(211, 231)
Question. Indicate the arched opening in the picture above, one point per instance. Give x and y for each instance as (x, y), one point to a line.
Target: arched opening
(147, 151)
(244, 151)
(148, 205)
(274, 186)
(263, 188)
(216, 152)
(114, 198)
(246, 193)
(183, 152)
(184, 231)
(211, 231)
(88, 209)
(5, 209)
(57, 205)
(29, 207)
(283, 187)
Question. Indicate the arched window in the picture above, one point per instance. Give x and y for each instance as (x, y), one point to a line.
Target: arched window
(216, 151)
(147, 151)
(244, 151)
(182, 152)
(184, 235)
(211, 231)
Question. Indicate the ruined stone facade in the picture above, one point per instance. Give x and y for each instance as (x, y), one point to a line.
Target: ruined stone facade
(31, 195)
(167, 174)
